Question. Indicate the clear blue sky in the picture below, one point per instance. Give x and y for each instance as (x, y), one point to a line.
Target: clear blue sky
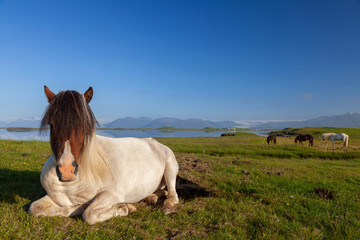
(215, 60)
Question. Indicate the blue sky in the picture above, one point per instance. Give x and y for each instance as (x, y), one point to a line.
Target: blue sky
(215, 60)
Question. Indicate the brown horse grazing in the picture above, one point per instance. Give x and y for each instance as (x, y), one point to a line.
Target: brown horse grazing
(99, 177)
(306, 137)
(271, 137)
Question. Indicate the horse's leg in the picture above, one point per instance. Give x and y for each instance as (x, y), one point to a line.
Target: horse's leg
(345, 139)
(105, 206)
(154, 197)
(171, 171)
(47, 207)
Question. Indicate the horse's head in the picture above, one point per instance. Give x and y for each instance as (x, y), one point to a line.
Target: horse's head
(72, 124)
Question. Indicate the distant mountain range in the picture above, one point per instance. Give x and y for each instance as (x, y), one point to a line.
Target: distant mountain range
(348, 120)
(30, 122)
(129, 122)
(167, 122)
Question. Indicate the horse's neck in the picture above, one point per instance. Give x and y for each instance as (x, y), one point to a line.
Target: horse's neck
(93, 164)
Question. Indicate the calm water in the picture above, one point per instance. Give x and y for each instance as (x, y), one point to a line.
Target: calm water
(36, 135)
(4, 134)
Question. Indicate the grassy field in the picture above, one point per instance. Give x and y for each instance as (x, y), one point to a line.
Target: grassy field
(257, 191)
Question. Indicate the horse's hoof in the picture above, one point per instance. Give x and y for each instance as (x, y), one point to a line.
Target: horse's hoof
(121, 210)
(168, 211)
(152, 199)
(131, 208)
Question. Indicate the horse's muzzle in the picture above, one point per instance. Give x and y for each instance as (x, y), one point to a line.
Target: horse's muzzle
(67, 173)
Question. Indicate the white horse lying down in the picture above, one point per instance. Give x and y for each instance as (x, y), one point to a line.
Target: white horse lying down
(327, 135)
(99, 177)
(341, 136)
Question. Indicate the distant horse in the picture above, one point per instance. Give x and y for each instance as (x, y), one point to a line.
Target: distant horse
(341, 136)
(94, 176)
(306, 137)
(327, 135)
(271, 137)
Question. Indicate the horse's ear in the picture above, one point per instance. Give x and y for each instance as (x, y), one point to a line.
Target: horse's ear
(88, 94)
(49, 94)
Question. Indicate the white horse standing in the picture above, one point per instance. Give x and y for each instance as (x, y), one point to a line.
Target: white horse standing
(94, 176)
(327, 135)
(340, 137)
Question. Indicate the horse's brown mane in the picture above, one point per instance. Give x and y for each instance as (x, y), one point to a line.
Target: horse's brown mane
(68, 113)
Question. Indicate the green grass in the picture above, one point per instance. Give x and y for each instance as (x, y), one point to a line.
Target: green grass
(259, 191)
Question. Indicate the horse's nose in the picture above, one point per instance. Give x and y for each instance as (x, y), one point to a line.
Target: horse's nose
(67, 172)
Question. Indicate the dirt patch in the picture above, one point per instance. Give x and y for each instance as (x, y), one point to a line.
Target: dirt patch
(274, 173)
(324, 193)
(192, 163)
(216, 155)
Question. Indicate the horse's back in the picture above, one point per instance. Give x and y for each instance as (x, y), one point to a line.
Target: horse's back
(130, 147)
(138, 162)
(339, 136)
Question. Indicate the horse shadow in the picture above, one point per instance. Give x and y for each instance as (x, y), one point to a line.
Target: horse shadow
(188, 190)
(15, 184)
